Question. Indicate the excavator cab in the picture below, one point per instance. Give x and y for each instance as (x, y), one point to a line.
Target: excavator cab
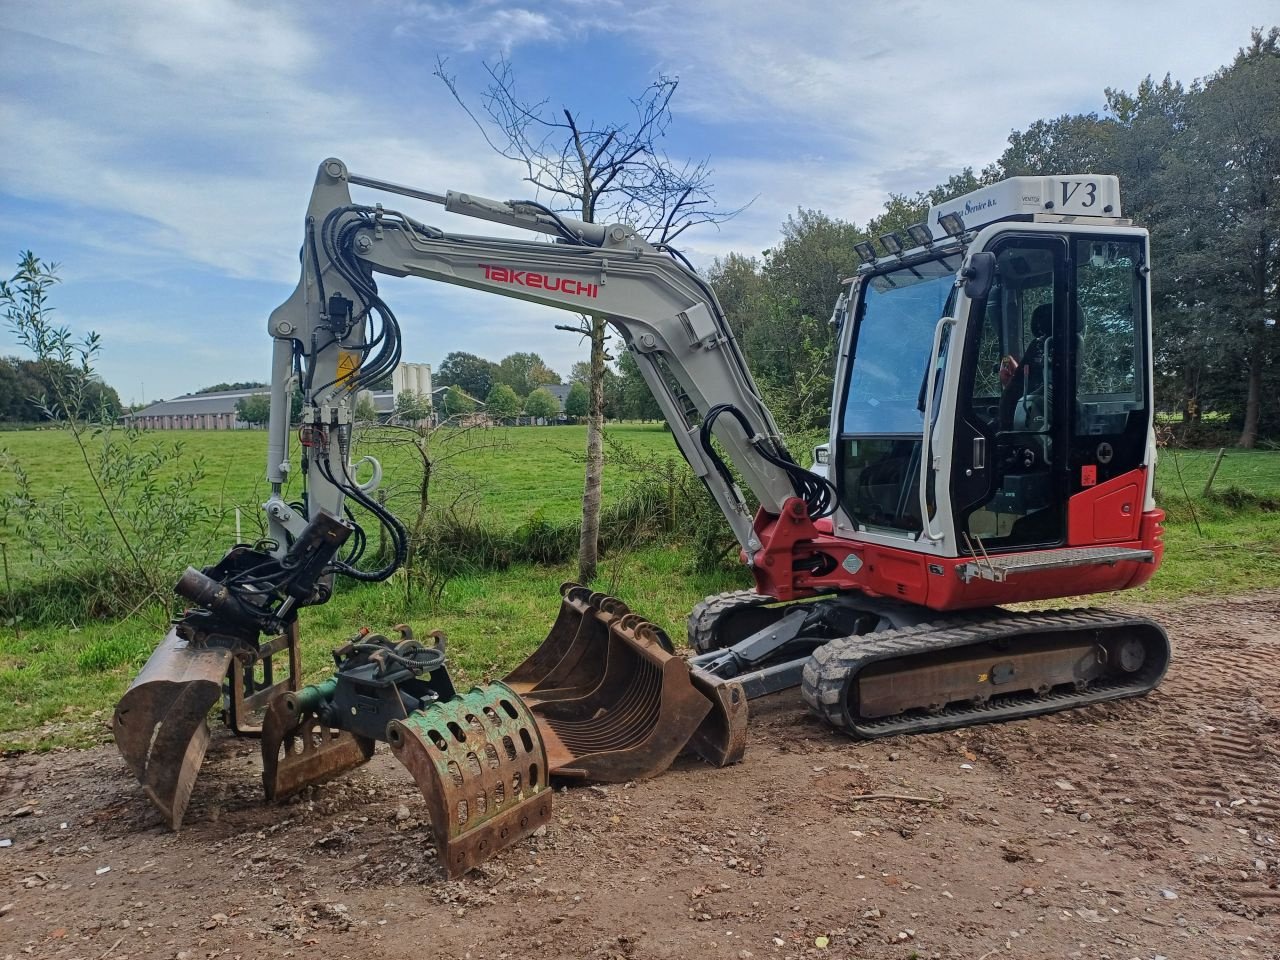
(996, 391)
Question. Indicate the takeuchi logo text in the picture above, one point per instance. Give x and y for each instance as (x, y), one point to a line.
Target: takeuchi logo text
(540, 281)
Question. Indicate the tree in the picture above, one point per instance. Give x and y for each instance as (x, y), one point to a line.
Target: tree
(457, 402)
(412, 407)
(542, 405)
(254, 409)
(578, 403)
(616, 171)
(475, 375)
(365, 410)
(637, 400)
(1222, 217)
(24, 382)
(238, 385)
(580, 372)
(502, 403)
(524, 373)
(613, 403)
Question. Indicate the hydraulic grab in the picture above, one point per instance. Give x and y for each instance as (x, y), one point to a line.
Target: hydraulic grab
(990, 442)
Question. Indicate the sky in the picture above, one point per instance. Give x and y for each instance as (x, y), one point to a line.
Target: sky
(162, 151)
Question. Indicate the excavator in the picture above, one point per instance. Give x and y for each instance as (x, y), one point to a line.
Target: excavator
(991, 442)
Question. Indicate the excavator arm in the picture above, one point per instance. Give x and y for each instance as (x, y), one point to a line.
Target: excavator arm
(325, 338)
(604, 697)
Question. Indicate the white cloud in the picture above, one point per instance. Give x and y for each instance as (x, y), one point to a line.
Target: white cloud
(170, 138)
(486, 27)
(207, 145)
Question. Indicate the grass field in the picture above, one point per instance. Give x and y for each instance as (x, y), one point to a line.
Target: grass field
(508, 474)
(58, 682)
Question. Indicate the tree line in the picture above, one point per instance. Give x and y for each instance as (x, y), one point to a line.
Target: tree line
(25, 386)
(1199, 166)
(514, 386)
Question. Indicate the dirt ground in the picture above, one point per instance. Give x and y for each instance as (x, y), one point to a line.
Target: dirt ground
(1144, 829)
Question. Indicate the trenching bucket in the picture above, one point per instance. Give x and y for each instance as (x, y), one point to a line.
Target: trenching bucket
(479, 761)
(161, 723)
(614, 702)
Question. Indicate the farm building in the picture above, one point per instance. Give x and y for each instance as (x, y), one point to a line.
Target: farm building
(215, 411)
(560, 391)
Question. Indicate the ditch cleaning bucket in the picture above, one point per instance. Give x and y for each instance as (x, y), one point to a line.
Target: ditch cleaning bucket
(612, 700)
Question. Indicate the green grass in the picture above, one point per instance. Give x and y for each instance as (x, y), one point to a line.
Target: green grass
(59, 682)
(507, 475)
(1257, 471)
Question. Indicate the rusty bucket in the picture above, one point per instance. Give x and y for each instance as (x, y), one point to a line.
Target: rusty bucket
(721, 738)
(161, 723)
(612, 700)
(480, 763)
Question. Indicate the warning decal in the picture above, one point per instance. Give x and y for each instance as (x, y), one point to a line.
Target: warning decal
(348, 364)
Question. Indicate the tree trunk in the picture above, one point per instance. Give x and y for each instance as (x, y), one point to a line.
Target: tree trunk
(1253, 398)
(1257, 343)
(588, 546)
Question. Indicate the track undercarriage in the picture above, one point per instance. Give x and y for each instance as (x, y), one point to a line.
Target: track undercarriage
(904, 669)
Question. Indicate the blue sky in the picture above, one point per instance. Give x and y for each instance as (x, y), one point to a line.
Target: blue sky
(162, 150)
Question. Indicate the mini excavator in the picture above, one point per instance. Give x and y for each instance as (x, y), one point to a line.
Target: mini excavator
(991, 442)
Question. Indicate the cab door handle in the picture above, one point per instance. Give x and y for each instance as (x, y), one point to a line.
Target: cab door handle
(979, 453)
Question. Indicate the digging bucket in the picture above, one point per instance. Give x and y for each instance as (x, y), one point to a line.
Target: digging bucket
(299, 749)
(616, 704)
(161, 723)
(480, 763)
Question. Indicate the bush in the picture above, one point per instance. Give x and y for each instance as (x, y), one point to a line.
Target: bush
(122, 546)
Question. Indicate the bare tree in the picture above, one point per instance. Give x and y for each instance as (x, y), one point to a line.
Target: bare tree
(600, 171)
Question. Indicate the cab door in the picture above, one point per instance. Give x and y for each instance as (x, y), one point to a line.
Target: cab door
(1010, 448)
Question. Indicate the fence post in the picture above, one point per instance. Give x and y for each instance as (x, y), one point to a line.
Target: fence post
(1208, 484)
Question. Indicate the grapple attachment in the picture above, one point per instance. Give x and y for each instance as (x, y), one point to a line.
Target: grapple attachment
(161, 723)
(614, 702)
(480, 763)
(300, 749)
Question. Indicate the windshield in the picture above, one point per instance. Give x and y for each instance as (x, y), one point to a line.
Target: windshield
(899, 312)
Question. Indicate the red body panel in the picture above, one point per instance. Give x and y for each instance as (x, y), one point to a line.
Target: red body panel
(797, 559)
(1108, 513)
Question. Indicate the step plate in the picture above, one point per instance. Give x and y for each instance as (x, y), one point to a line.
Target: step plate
(1000, 567)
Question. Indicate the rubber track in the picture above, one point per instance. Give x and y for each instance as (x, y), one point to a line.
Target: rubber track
(703, 619)
(832, 668)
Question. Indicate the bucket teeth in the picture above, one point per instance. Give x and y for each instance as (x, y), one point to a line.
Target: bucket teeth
(480, 763)
(161, 724)
(299, 750)
(612, 700)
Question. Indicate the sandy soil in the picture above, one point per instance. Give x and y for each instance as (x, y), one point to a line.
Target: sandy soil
(1144, 829)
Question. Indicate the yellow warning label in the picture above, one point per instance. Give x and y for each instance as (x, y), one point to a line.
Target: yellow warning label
(348, 364)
